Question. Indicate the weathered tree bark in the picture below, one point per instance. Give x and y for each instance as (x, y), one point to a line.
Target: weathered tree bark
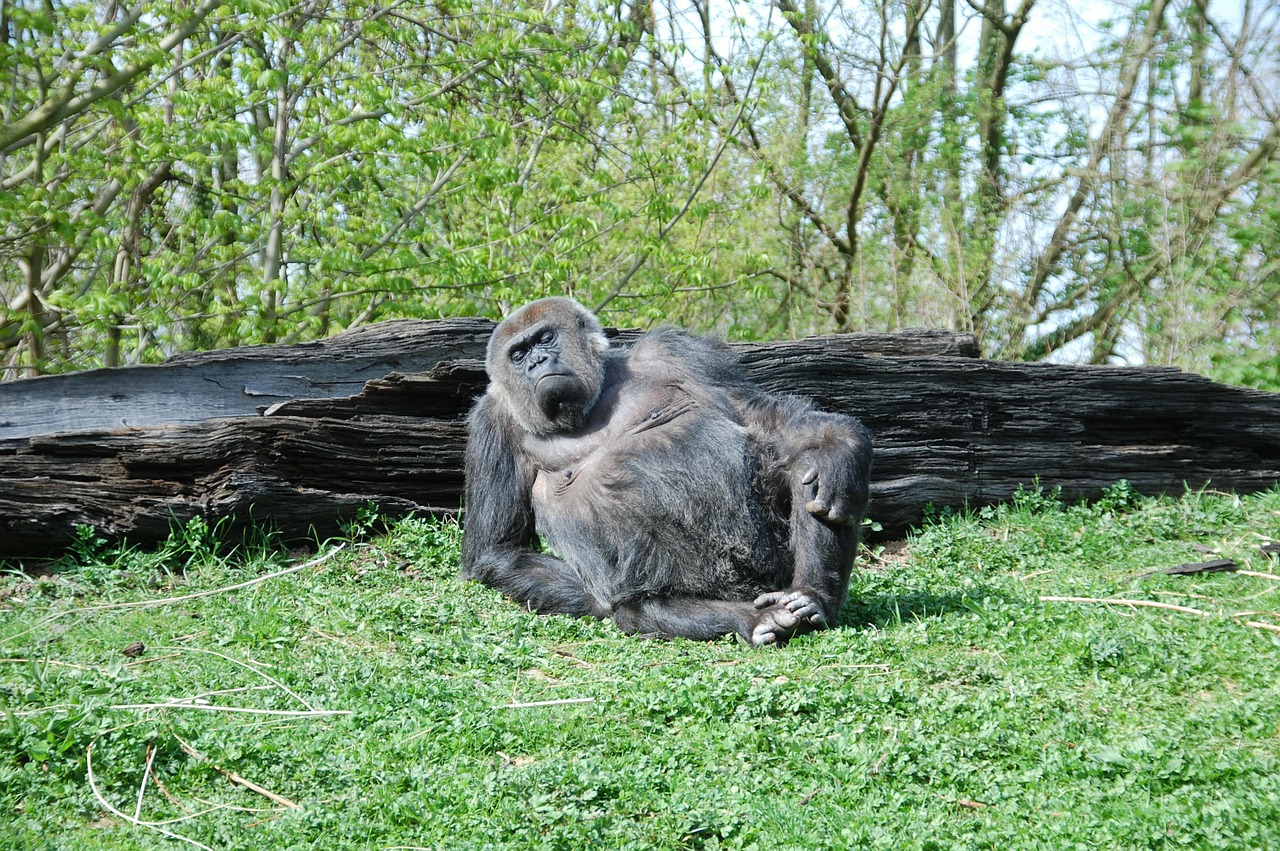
(302, 437)
(245, 382)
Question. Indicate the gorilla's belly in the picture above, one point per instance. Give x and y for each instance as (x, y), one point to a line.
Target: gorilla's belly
(661, 500)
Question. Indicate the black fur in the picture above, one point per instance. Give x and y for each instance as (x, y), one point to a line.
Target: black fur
(678, 498)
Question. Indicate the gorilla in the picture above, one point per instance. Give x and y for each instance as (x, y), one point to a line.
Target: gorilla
(672, 495)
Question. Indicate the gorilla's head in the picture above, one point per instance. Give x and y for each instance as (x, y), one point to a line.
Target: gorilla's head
(546, 364)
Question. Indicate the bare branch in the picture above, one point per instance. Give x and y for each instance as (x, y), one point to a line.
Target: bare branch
(846, 104)
(1047, 262)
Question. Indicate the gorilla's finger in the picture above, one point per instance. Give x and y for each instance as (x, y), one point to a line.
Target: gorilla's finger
(840, 512)
(763, 638)
(804, 609)
(768, 599)
(817, 508)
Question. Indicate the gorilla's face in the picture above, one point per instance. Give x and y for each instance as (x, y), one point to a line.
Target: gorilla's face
(557, 389)
(547, 361)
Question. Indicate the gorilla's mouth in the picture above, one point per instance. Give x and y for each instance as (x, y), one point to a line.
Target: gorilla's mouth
(552, 376)
(556, 390)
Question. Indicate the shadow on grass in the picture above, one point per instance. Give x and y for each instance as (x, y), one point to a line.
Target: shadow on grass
(888, 610)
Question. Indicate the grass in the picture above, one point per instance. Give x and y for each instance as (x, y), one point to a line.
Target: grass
(951, 709)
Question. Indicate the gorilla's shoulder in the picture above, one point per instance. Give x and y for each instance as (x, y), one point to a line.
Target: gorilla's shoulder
(706, 357)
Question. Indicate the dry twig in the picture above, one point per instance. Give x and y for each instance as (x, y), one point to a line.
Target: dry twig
(146, 604)
(146, 772)
(1111, 601)
(562, 702)
(164, 601)
(97, 793)
(1151, 604)
(16, 661)
(249, 667)
(236, 778)
(242, 710)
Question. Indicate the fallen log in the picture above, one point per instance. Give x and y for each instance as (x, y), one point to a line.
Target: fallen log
(303, 437)
(242, 382)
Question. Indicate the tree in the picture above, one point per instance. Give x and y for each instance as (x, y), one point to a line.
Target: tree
(208, 174)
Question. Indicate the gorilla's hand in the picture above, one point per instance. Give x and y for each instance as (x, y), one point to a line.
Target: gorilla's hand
(829, 481)
(784, 614)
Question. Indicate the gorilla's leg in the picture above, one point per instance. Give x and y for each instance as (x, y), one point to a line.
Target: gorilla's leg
(703, 619)
(685, 617)
(824, 554)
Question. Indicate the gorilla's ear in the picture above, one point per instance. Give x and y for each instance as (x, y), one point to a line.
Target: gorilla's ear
(593, 332)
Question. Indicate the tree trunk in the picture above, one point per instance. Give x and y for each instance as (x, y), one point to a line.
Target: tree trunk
(299, 438)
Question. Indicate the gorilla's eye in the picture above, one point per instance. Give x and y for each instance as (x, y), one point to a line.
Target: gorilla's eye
(517, 355)
(546, 338)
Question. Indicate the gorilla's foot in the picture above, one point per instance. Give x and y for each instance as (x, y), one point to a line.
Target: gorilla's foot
(785, 614)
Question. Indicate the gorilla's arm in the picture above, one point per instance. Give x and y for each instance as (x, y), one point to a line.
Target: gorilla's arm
(828, 454)
(824, 466)
(498, 537)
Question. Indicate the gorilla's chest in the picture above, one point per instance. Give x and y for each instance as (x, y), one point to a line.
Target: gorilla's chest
(660, 450)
